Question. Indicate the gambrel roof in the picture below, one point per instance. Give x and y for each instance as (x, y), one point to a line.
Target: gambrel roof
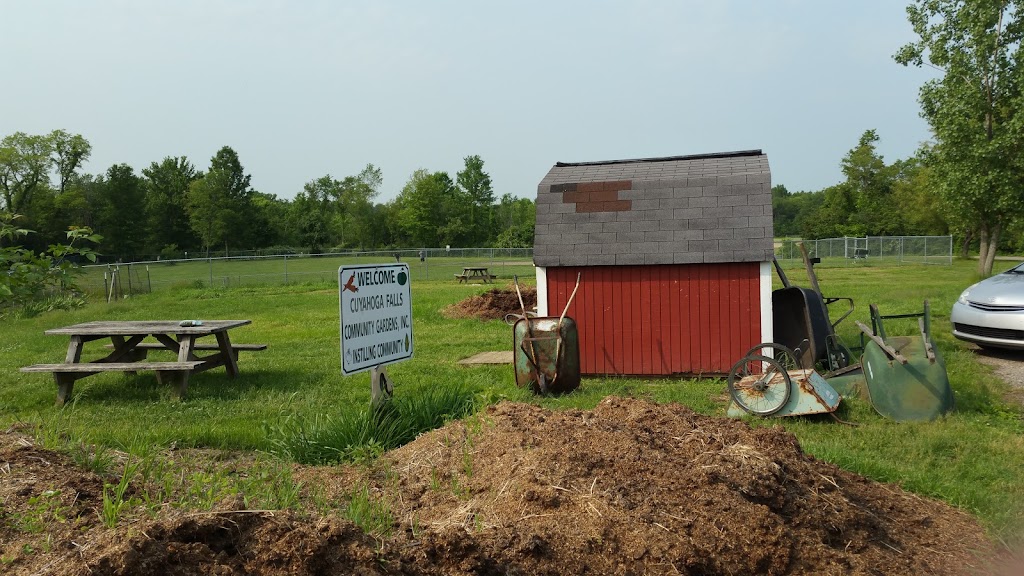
(675, 210)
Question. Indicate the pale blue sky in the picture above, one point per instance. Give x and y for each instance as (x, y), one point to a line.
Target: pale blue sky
(304, 88)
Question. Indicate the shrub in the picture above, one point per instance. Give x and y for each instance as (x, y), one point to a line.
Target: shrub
(27, 277)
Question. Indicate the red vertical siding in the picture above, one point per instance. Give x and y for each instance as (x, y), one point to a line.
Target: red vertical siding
(652, 320)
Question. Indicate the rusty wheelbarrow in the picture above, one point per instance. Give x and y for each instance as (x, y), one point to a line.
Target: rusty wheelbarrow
(770, 380)
(546, 350)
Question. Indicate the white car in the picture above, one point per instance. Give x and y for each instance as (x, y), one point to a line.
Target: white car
(991, 312)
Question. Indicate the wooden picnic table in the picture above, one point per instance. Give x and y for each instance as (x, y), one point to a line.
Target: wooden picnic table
(129, 351)
(470, 273)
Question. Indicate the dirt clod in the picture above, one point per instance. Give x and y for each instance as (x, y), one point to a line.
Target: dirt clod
(630, 487)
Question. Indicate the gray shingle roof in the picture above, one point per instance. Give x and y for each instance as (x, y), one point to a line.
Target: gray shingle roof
(676, 210)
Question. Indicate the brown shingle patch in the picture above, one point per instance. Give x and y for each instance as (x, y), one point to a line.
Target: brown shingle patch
(595, 196)
(619, 185)
(575, 197)
(604, 196)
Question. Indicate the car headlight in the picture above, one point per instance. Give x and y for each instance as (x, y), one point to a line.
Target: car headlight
(963, 295)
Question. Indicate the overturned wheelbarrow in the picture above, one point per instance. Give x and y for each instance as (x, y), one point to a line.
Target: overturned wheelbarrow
(904, 377)
(546, 350)
(771, 381)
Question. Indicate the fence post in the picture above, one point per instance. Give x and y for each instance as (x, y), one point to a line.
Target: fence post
(925, 249)
(105, 286)
(210, 260)
(285, 268)
(149, 281)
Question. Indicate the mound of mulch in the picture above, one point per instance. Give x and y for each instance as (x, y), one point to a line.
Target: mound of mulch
(494, 304)
(630, 487)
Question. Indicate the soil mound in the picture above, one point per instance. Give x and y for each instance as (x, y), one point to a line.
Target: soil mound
(494, 304)
(630, 487)
(634, 487)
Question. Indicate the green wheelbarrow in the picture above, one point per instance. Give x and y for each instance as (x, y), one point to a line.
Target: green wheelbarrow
(904, 377)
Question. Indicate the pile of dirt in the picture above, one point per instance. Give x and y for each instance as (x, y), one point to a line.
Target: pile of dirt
(494, 304)
(630, 487)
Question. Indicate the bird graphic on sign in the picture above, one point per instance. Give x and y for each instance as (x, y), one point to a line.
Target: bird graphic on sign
(351, 284)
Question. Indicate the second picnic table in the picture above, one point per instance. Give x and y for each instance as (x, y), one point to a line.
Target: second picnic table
(470, 273)
(130, 351)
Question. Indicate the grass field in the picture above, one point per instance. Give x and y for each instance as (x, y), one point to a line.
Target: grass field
(295, 269)
(973, 458)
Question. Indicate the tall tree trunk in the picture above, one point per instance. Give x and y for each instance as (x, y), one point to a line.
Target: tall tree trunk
(966, 246)
(993, 244)
(982, 247)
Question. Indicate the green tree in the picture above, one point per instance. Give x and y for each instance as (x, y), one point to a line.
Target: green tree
(974, 109)
(870, 185)
(220, 203)
(354, 197)
(433, 211)
(272, 213)
(514, 220)
(167, 185)
(122, 221)
(67, 153)
(24, 168)
(313, 211)
(475, 184)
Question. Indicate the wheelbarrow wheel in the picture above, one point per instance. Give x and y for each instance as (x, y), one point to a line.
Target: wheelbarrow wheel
(784, 355)
(759, 385)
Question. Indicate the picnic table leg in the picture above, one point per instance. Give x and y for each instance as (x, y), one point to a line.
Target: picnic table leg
(65, 385)
(66, 382)
(178, 379)
(230, 359)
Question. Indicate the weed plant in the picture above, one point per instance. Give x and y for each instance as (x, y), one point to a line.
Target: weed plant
(364, 435)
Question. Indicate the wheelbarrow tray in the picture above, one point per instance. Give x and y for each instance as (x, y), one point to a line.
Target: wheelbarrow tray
(810, 394)
(916, 391)
(546, 354)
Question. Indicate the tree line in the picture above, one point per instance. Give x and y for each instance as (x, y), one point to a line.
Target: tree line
(171, 207)
(968, 179)
(874, 199)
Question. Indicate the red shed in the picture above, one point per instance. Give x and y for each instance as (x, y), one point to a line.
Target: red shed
(674, 254)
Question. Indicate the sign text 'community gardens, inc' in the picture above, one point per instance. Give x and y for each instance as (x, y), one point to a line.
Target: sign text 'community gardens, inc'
(376, 315)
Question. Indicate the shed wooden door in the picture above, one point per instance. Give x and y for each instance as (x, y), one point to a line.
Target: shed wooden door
(659, 320)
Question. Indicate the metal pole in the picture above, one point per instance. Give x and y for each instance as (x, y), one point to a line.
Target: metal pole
(285, 268)
(149, 280)
(130, 291)
(105, 288)
(925, 249)
(210, 260)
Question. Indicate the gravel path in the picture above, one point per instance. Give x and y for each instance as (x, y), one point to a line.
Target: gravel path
(1007, 365)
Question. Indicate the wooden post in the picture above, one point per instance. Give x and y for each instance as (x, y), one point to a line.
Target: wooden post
(381, 386)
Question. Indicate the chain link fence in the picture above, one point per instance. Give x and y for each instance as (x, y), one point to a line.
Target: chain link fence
(870, 250)
(116, 281)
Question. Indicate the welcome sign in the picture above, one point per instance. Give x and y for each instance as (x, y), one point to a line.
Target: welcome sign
(376, 315)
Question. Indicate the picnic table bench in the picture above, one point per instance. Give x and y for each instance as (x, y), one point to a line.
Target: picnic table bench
(470, 273)
(129, 351)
